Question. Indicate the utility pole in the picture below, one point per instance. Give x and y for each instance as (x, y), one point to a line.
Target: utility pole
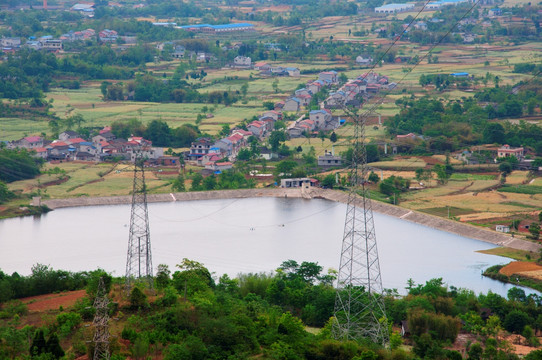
(139, 258)
(359, 305)
(101, 323)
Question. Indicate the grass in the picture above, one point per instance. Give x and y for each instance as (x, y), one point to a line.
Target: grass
(89, 180)
(447, 212)
(401, 164)
(519, 204)
(520, 255)
(16, 128)
(465, 177)
(522, 189)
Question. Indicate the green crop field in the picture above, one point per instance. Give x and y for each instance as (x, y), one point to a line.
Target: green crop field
(464, 177)
(16, 128)
(521, 189)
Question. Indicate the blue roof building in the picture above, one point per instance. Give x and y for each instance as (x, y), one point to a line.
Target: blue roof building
(219, 28)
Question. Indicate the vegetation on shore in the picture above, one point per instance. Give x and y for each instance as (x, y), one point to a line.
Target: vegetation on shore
(194, 315)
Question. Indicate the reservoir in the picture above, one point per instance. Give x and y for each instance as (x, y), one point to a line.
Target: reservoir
(239, 236)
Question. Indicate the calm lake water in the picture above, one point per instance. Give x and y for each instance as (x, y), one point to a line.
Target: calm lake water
(241, 235)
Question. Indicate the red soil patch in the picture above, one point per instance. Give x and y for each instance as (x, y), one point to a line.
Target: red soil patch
(53, 301)
(519, 266)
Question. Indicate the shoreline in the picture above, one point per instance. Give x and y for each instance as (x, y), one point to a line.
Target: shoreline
(454, 227)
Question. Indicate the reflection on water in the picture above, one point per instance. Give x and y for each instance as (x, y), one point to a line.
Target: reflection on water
(241, 235)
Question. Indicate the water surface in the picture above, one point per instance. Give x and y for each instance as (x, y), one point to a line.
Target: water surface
(241, 235)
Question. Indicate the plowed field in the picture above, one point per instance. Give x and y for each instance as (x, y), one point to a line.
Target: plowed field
(53, 301)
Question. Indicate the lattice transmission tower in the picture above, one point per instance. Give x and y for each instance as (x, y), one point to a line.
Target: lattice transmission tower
(101, 323)
(139, 258)
(359, 305)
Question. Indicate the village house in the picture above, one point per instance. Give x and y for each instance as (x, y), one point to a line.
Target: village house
(168, 160)
(33, 44)
(303, 91)
(292, 104)
(305, 100)
(262, 66)
(301, 128)
(328, 159)
(10, 42)
(107, 35)
(84, 156)
(219, 166)
(335, 100)
(200, 147)
(67, 135)
(297, 182)
(103, 137)
(41, 152)
(502, 228)
(315, 86)
(242, 62)
(507, 151)
(244, 133)
(267, 154)
(293, 72)
(178, 52)
(257, 128)
(151, 153)
(320, 117)
(30, 142)
(269, 122)
(329, 76)
(360, 60)
(225, 145)
(51, 44)
(213, 156)
(274, 114)
(59, 150)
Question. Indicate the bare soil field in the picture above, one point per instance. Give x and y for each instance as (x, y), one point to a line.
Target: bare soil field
(521, 267)
(53, 301)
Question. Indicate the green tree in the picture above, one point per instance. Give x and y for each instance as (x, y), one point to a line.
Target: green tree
(373, 177)
(178, 184)
(196, 182)
(275, 85)
(333, 137)
(329, 181)
(53, 347)
(38, 345)
(275, 139)
(209, 183)
(244, 89)
(244, 154)
(285, 167)
(225, 130)
(18, 164)
(5, 194)
(515, 321)
(505, 167)
(192, 348)
(162, 278)
(193, 277)
(138, 299)
(442, 175)
(534, 229)
(158, 132)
